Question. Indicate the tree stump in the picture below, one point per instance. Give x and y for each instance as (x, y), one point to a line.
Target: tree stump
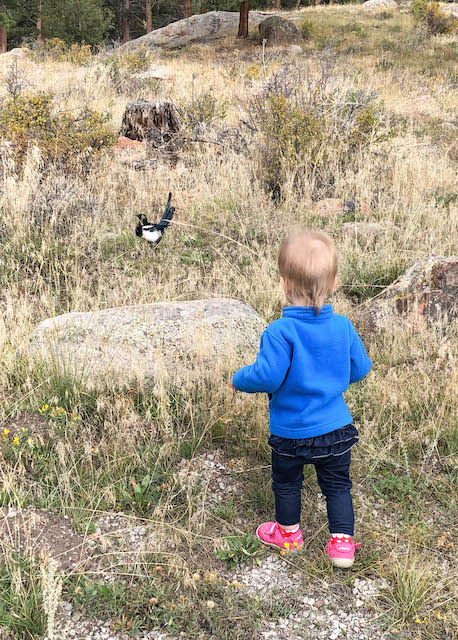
(156, 122)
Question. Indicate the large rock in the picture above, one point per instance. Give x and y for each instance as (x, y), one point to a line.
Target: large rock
(451, 9)
(204, 27)
(426, 292)
(277, 31)
(18, 52)
(373, 6)
(174, 342)
(368, 233)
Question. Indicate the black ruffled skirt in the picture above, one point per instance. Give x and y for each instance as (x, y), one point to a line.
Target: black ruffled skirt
(335, 443)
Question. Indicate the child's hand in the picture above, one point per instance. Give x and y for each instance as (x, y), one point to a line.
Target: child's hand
(232, 386)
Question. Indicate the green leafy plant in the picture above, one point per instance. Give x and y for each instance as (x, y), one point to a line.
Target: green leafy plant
(225, 510)
(238, 548)
(70, 139)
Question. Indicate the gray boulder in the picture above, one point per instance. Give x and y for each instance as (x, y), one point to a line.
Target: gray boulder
(426, 293)
(373, 6)
(277, 31)
(295, 50)
(176, 343)
(368, 233)
(204, 27)
(451, 9)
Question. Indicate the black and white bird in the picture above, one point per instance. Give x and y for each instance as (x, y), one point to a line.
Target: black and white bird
(153, 232)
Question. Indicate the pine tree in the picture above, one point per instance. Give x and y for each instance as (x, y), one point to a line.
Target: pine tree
(76, 20)
(149, 16)
(243, 20)
(6, 22)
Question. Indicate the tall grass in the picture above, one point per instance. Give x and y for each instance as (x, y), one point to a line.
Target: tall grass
(67, 244)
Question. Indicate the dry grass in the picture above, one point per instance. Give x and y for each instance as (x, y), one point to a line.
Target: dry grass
(67, 245)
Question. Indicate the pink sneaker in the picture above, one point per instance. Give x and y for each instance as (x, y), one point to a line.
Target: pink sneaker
(341, 551)
(272, 535)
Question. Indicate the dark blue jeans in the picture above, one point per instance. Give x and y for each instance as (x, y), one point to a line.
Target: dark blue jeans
(333, 474)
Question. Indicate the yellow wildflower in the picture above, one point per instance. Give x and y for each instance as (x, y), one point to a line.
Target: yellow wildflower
(6, 432)
(16, 440)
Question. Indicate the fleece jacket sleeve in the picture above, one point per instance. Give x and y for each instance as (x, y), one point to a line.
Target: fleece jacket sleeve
(269, 371)
(360, 363)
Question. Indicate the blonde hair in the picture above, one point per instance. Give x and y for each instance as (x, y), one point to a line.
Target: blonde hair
(308, 263)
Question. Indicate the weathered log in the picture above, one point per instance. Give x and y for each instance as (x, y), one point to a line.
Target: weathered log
(156, 122)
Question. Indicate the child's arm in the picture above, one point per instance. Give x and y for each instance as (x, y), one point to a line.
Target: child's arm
(268, 372)
(360, 363)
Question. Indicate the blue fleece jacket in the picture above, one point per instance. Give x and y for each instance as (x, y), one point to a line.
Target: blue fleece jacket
(305, 364)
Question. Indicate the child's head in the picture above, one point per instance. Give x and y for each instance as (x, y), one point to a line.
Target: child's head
(308, 267)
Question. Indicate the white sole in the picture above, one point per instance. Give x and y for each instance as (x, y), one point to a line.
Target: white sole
(342, 563)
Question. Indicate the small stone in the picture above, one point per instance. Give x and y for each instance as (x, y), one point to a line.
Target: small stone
(318, 604)
(222, 486)
(359, 603)
(295, 50)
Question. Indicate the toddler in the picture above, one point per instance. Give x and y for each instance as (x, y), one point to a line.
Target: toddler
(307, 359)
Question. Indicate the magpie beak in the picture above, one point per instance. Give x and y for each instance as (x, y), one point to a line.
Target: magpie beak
(153, 232)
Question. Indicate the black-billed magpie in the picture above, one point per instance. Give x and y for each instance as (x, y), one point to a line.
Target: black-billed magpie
(154, 232)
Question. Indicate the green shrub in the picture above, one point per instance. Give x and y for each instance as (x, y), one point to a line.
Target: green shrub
(69, 139)
(307, 28)
(205, 108)
(131, 61)
(438, 22)
(418, 9)
(58, 50)
(430, 16)
(307, 129)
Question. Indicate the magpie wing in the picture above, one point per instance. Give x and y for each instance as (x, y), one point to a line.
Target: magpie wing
(167, 215)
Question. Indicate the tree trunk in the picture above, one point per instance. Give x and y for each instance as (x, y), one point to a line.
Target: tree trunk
(298, 6)
(156, 122)
(149, 16)
(40, 37)
(278, 5)
(125, 26)
(3, 40)
(187, 8)
(243, 21)
(203, 8)
(317, 2)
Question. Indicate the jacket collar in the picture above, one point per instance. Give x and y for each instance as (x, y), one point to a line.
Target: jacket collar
(307, 313)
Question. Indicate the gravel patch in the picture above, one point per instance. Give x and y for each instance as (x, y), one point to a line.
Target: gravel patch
(72, 625)
(324, 611)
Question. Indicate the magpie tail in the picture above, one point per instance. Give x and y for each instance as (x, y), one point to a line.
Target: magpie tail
(167, 215)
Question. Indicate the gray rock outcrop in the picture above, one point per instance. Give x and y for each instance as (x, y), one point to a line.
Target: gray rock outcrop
(277, 31)
(176, 343)
(379, 5)
(204, 27)
(426, 292)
